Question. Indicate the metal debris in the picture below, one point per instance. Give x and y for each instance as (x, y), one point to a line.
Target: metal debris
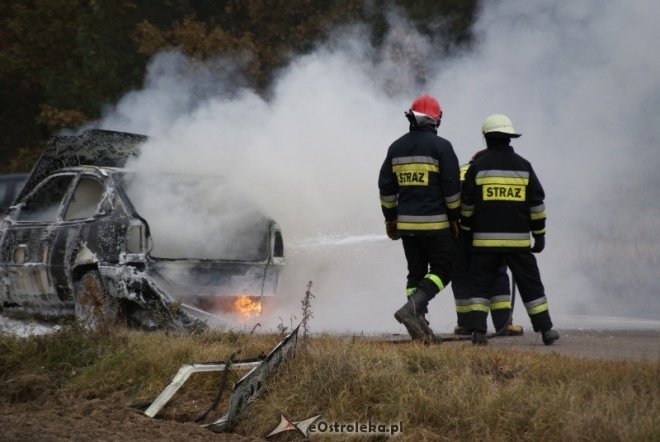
(248, 388)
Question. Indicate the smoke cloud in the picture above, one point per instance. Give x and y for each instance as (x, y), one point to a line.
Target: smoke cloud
(578, 79)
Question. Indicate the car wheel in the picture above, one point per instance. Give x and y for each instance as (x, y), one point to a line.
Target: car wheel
(94, 308)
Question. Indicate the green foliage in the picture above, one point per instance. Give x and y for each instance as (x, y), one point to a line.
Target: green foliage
(61, 61)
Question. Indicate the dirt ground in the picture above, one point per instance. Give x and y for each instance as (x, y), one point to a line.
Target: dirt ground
(96, 420)
(72, 419)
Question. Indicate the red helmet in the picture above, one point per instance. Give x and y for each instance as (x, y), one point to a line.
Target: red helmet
(428, 106)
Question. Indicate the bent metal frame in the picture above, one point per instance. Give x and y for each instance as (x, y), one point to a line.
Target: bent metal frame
(244, 391)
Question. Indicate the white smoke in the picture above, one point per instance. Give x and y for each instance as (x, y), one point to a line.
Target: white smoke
(581, 84)
(578, 79)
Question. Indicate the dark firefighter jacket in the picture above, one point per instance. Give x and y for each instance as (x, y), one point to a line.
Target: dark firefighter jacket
(419, 184)
(502, 201)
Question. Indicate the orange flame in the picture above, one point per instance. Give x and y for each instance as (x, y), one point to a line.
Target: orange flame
(247, 307)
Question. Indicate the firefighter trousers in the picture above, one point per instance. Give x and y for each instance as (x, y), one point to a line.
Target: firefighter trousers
(484, 268)
(499, 291)
(430, 262)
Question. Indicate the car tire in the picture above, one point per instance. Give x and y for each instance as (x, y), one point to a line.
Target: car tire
(95, 309)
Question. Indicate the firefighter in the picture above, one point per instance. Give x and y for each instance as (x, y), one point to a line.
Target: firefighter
(500, 306)
(502, 201)
(420, 198)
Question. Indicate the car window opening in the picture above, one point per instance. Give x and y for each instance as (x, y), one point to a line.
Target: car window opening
(85, 200)
(44, 203)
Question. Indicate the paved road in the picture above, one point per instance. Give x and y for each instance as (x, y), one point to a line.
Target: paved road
(630, 345)
(636, 345)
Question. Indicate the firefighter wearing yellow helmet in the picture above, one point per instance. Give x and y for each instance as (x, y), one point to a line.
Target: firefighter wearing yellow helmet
(502, 202)
(500, 300)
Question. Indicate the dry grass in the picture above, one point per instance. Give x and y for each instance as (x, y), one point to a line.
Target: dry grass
(463, 393)
(439, 392)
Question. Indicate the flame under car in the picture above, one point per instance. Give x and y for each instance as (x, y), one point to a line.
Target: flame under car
(94, 240)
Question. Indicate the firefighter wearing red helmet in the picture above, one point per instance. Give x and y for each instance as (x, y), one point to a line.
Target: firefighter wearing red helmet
(502, 203)
(425, 107)
(420, 200)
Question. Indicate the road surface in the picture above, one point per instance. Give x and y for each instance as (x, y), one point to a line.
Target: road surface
(629, 345)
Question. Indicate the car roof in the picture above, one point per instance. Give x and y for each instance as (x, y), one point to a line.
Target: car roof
(87, 168)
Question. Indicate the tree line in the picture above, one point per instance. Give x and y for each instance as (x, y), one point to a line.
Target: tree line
(61, 61)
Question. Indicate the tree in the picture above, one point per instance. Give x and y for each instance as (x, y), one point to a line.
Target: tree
(61, 61)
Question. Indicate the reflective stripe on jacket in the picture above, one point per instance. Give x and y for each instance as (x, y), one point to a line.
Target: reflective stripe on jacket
(502, 201)
(419, 182)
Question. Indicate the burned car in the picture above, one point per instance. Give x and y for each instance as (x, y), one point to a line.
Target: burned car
(92, 239)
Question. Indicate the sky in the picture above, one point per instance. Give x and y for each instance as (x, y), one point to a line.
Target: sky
(578, 79)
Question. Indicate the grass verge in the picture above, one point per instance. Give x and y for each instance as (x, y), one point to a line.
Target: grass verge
(450, 392)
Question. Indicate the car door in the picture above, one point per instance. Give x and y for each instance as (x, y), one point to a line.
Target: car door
(28, 240)
(76, 241)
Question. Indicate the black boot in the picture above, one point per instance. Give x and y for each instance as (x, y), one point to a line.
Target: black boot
(411, 315)
(549, 336)
(479, 338)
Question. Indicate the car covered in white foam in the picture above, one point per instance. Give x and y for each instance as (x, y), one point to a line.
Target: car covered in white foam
(92, 239)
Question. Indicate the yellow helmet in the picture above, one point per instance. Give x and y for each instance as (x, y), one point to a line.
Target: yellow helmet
(499, 123)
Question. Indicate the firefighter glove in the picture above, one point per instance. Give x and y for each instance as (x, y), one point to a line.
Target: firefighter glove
(539, 244)
(391, 230)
